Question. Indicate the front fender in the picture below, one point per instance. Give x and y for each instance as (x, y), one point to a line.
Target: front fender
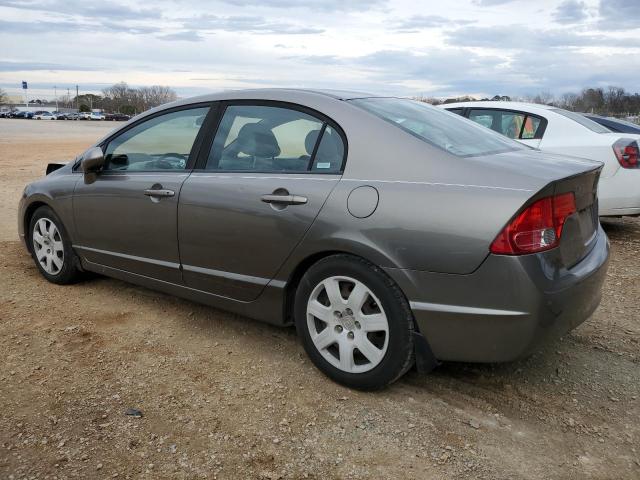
(55, 191)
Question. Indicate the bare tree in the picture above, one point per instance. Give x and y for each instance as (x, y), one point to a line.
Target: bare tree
(121, 97)
(430, 100)
(157, 95)
(3, 96)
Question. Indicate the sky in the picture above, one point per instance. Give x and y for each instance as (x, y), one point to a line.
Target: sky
(392, 47)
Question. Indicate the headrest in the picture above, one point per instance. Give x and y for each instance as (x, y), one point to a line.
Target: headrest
(257, 140)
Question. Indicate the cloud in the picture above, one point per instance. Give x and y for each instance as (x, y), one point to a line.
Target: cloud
(570, 11)
(456, 71)
(489, 3)
(619, 14)
(99, 10)
(323, 5)
(185, 36)
(64, 27)
(438, 70)
(520, 37)
(34, 66)
(246, 24)
(421, 22)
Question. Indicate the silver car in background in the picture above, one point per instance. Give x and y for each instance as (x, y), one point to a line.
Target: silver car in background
(389, 232)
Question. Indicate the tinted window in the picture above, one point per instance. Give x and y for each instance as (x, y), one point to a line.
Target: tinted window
(273, 139)
(501, 121)
(161, 143)
(330, 153)
(456, 110)
(438, 127)
(531, 127)
(585, 122)
(616, 124)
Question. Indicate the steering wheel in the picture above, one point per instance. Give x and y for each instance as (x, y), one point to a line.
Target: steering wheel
(171, 160)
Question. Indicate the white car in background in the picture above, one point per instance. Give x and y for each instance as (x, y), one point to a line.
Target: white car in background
(555, 130)
(97, 116)
(44, 116)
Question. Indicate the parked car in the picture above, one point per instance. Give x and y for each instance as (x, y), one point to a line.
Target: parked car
(96, 116)
(555, 130)
(119, 117)
(71, 116)
(22, 114)
(44, 116)
(388, 231)
(84, 116)
(615, 124)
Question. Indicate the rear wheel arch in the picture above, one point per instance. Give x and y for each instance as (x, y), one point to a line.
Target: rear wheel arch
(304, 265)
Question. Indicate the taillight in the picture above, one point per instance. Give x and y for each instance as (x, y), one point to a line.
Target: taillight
(537, 228)
(626, 151)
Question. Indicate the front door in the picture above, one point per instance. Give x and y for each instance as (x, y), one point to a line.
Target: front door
(264, 180)
(127, 218)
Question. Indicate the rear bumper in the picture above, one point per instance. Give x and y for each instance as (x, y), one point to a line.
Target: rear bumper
(507, 307)
(620, 194)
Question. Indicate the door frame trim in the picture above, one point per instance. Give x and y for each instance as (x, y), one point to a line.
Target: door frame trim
(208, 138)
(161, 263)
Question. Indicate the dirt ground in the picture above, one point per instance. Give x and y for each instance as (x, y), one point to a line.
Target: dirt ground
(227, 397)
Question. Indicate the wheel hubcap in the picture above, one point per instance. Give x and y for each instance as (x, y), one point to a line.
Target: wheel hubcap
(48, 247)
(347, 324)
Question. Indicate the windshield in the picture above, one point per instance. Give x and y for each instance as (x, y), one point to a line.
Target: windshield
(624, 122)
(584, 121)
(438, 127)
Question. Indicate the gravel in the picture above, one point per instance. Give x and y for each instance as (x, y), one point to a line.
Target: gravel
(226, 397)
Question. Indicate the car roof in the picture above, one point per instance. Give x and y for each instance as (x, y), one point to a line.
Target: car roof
(291, 95)
(257, 93)
(500, 104)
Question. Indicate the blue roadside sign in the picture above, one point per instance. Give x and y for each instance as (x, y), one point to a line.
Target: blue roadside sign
(24, 85)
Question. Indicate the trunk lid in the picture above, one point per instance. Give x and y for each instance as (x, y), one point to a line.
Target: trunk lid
(580, 229)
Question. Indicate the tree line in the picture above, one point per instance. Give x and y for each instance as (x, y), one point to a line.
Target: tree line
(612, 101)
(129, 100)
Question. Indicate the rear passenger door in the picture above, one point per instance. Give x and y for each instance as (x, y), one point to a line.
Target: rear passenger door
(255, 192)
(521, 126)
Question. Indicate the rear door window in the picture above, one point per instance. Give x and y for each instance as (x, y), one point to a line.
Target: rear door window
(506, 123)
(262, 138)
(516, 125)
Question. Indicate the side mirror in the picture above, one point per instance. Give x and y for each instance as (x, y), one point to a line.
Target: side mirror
(92, 161)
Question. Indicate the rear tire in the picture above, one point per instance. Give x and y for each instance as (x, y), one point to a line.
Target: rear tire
(51, 249)
(354, 322)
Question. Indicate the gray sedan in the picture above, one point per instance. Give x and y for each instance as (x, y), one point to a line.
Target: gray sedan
(390, 233)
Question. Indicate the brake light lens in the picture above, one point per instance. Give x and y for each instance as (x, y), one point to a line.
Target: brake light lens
(626, 151)
(537, 228)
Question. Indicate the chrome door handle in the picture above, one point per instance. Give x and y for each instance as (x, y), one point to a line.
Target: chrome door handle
(284, 199)
(151, 192)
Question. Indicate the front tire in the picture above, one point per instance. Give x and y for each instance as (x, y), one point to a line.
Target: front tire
(51, 248)
(355, 323)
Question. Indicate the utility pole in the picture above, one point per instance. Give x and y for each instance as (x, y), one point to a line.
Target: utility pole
(55, 94)
(77, 100)
(68, 98)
